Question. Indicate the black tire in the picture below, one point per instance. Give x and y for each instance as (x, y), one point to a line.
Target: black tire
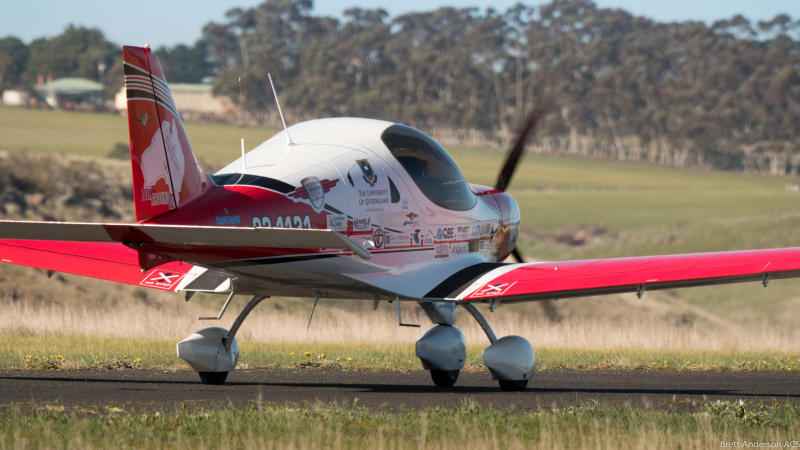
(215, 378)
(513, 385)
(444, 378)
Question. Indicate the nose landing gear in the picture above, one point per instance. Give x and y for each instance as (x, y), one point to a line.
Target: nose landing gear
(442, 350)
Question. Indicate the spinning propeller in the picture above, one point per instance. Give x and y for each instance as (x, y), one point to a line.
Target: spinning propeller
(504, 179)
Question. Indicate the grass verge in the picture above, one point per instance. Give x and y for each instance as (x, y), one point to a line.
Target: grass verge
(59, 352)
(350, 426)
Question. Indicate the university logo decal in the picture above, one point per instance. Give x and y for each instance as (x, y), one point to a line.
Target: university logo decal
(369, 175)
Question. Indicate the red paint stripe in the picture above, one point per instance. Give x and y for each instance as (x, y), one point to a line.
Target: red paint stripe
(106, 261)
(555, 277)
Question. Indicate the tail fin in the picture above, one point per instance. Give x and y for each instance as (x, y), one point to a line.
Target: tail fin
(165, 171)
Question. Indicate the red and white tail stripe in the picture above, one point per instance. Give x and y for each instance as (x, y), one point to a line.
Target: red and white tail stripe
(165, 170)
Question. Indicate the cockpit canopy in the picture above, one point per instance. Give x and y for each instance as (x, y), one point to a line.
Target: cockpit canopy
(431, 168)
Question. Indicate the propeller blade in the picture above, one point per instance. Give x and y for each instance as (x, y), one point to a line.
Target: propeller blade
(517, 255)
(548, 306)
(515, 152)
(550, 311)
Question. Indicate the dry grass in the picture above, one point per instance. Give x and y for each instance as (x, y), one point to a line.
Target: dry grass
(340, 426)
(273, 322)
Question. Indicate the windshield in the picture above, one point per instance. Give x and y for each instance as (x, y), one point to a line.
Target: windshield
(431, 168)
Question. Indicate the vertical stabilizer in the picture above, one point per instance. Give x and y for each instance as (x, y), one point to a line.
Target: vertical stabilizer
(165, 171)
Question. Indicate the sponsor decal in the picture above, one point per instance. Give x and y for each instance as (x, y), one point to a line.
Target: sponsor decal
(485, 248)
(411, 221)
(144, 118)
(157, 198)
(287, 221)
(377, 237)
(445, 234)
(405, 203)
(313, 191)
(369, 175)
(463, 233)
(398, 240)
(476, 232)
(226, 217)
(416, 238)
(337, 222)
(441, 251)
(427, 238)
(361, 223)
(459, 248)
(228, 220)
(486, 229)
(161, 279)
(492, 290)
(154, 167)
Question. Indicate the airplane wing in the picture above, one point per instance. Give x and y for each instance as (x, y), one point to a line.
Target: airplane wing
(510, 283)
(134, 253)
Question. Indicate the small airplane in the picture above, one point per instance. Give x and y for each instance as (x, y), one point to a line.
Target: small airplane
(340, 208)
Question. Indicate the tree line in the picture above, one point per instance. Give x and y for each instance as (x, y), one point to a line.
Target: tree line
(725, 95)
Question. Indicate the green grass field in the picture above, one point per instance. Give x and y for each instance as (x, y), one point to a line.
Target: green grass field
(92, 134)
(604, 208)
(319, 425)
(615, 208)
(50, 351)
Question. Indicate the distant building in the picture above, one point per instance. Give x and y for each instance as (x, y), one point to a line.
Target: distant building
(196, 98)
(69, 93)
(15, 98)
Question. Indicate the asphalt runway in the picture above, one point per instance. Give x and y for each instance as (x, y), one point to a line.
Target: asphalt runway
(393, 390)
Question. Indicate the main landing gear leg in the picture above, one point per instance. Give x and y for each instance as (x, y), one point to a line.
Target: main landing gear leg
(510, 359)
(213, 352)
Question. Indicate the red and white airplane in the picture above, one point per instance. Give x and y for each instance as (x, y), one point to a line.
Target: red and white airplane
(339, 208)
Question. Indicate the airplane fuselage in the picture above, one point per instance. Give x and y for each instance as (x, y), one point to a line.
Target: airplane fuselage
(339, 174)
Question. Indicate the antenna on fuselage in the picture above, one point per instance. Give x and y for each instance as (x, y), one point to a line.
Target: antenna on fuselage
(244, 161)
(288, 137)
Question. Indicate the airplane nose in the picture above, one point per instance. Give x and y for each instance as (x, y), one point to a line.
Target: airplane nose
(509, 210)
(509, 226)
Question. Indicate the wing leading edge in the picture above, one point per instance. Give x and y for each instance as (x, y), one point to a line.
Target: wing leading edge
(179, 235)
(553, 280)
(165, 257)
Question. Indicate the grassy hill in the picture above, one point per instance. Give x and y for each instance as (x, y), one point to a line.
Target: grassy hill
(571, 209)
(91, 134)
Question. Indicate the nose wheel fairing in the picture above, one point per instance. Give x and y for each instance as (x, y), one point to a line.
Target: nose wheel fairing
(442, 351)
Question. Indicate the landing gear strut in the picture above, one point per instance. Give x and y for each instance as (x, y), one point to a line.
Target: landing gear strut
(213, 352)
